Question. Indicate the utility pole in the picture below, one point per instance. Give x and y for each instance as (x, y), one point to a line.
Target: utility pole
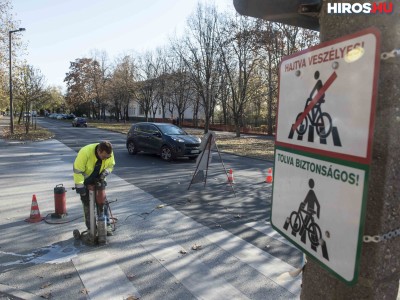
(380, 261)
(379, 269)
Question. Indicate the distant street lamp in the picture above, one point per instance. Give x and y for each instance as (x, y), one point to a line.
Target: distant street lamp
(11, 99)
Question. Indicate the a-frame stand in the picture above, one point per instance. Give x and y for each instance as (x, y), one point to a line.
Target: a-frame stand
(204, 160)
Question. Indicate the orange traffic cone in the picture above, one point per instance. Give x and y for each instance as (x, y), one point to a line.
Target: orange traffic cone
(230, 176)
(35, 213)
(269, 178)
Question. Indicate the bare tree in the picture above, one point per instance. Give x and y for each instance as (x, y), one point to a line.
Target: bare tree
(145, 90)
(256, 107)
(199, 51)
(8, 23)
(29, 88)
(277, 40)
(181, 88)
(271, 41)
(98, 77)
(162, 70)
(158, 64)
(120, 89)
(240, 58)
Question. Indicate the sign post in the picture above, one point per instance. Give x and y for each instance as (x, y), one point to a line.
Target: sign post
(323, 146)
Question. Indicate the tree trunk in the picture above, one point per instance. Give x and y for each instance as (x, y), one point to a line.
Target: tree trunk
(379, 264)
(270, 97)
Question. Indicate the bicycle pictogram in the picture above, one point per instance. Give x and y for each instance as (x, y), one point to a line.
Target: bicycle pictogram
(322, 121)
(313, 117)
(302, 221)
(299, 223)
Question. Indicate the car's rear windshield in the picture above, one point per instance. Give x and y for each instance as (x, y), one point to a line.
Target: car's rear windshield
(171, 130)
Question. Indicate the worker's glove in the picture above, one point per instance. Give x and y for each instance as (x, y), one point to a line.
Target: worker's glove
(81, 191)
(103, 175)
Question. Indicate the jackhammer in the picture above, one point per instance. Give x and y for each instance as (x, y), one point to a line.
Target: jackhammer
(98, 203)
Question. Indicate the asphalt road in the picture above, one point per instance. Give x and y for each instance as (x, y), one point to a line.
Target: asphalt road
(214, 204)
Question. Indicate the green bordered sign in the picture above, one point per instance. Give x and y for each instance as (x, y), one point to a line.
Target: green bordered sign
(325, 122)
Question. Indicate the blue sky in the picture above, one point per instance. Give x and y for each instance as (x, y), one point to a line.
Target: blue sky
(59, 31)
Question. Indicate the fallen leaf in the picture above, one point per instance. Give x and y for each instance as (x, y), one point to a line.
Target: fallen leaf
(132, 298)
(84, 291)
(147, 262)
(160, 206)
(46, 285)
(196, 247)
(46, 296)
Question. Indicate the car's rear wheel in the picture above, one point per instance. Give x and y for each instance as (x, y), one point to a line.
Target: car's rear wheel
(132, 148)
(85, 125)
(166, 153)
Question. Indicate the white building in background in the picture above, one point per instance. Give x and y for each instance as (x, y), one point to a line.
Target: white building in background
(135, 111)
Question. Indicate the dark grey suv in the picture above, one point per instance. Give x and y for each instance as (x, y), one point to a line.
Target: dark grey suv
(167, 140)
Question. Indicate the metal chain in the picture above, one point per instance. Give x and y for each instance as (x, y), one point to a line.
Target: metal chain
(392, 54)
(394, 233)
(380, 238)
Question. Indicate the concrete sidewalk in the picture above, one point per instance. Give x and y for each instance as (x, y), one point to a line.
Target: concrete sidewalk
(156, 253)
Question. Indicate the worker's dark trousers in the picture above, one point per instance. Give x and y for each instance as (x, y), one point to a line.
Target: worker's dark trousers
(86, 212)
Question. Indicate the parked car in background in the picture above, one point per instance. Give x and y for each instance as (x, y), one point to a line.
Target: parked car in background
(53, 116)
(71, 116)
(79, 122)
(167, 140)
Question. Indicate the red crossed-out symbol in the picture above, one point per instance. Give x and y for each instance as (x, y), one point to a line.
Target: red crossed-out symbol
(314, 101)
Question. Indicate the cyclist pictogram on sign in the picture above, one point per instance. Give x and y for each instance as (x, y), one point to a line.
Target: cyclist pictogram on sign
(302, 221)
(321, 121)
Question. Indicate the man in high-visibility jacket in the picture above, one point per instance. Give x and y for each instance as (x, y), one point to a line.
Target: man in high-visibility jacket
(94, 162)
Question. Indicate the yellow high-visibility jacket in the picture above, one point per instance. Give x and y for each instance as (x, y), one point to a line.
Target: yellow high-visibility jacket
(85, 162)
